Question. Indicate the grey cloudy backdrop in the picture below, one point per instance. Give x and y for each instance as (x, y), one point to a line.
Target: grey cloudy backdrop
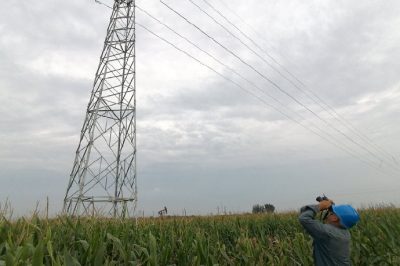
(203, 143)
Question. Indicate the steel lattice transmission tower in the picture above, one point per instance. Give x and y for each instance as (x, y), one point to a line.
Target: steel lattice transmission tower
(103, 177)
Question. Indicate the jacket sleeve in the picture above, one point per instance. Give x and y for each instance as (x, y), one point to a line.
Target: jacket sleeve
(314, 227)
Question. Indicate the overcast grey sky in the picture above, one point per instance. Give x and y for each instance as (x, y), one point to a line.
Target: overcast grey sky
(203, 143)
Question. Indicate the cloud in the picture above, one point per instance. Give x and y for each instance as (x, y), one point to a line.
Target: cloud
(202, 141)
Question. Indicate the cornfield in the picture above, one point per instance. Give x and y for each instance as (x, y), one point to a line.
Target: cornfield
(269, 239)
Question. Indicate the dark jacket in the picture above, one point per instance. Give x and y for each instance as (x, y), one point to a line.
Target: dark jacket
(331, 244)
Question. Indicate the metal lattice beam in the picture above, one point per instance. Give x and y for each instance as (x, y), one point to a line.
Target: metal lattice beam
(103, 177)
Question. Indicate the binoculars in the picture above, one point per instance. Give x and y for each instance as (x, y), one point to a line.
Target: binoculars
(324, 213)
(321, 198)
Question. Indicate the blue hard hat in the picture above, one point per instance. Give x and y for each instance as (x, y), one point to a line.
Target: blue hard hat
(348, 216)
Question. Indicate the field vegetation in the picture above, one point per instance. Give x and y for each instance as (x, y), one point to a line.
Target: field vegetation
(251, 239)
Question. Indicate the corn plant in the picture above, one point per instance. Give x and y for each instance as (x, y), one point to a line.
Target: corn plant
(248, 239)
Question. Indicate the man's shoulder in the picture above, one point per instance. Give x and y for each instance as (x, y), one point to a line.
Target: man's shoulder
(337, 232)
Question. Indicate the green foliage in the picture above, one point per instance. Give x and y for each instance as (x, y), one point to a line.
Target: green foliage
(256, 239)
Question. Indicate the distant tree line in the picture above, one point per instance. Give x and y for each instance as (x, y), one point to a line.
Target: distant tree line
(266, 208)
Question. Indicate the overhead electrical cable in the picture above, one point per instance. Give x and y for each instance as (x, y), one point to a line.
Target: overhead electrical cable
(280, 73)
(274, 84)
(247, 80)
(261, 37)
(101, 3)
(263, 101)
(316, 99)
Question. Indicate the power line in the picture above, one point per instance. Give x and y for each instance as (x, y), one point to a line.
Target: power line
(260, 36)
(321, 103)
(240, 40)
(265, 61)
(231, 69)
(347, 149)
(271, 82)
(262, 100)
(101, 3)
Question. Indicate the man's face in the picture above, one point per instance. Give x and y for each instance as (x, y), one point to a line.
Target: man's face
(331, 218)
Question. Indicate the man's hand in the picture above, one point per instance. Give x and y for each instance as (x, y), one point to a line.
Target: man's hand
(325, 204)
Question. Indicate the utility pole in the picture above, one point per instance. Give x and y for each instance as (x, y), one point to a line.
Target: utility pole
(103, 176)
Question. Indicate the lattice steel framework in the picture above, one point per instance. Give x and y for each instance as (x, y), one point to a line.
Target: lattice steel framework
(103, 177)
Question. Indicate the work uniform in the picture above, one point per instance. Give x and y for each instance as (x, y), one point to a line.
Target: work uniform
(331, 245)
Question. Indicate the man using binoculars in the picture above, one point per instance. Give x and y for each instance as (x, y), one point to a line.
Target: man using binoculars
(331, 238)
